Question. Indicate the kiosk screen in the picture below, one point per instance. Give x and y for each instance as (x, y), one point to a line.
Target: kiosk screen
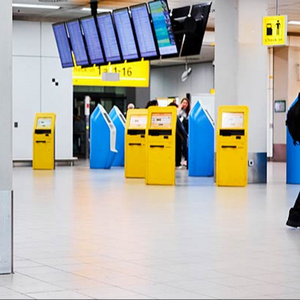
(43, 123)
(137, 121)
(161, 120)
(232, 120)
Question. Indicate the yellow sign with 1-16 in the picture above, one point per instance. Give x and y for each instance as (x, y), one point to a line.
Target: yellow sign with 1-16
(275, 30)
(134, 74)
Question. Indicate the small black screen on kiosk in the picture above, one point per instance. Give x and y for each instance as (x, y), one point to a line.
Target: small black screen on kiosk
(108, 36)
(125, 34)
(92, 40)
(77, 43)
(163, 28)
(63, 45)
(143, 30)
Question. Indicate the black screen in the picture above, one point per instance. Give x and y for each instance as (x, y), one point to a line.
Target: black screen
(77, 43)
(63, 45)
(109, 39)
(189, 30)
(92, 40)
(143, 30)
(125, 34)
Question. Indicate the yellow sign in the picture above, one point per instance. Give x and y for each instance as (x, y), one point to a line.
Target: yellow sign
(275, 30)
(134, 74)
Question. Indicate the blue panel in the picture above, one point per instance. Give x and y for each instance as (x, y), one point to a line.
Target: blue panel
(101, 154)
(201, 143)
(118, 120)
(292, 158)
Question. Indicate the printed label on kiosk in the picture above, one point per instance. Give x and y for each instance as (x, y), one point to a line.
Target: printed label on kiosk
(44, 142)
(135, 143)
(160, 149)
(232, 146)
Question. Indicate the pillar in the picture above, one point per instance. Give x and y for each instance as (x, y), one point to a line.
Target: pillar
(6, 194)
(241, 72)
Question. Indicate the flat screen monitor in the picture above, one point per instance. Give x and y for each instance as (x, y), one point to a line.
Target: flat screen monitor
(63, 45)
(144, 32)
(161, 120)
(232, 120)
(138, 121)
(77, 42)
(194, 38)
(163, 28)
(44, 123)
(92, 38)
(108, 37)
(125, 34)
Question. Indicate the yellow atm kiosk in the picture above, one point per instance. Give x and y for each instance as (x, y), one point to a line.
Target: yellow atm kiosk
(135, 143)
(232, 146)
(44, 141)
(160, 147)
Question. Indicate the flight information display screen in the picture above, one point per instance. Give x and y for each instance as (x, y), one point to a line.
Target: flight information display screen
(125, 34)
(77, 43)
(143, 29)
(92, 40)
(63, 45)
(108, 36)
(163, 28)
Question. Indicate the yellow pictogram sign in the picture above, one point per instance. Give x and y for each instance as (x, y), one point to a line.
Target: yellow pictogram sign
(275, 30)
(134, 74)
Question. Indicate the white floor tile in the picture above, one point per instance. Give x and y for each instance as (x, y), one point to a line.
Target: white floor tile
(82, 233)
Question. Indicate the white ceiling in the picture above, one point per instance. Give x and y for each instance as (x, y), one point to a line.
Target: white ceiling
(71, 9)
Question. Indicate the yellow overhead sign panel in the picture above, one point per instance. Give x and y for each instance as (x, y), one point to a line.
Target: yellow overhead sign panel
(275, 30)
(134, 74)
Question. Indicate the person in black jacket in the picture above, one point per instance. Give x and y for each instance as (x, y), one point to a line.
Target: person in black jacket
(181, 137)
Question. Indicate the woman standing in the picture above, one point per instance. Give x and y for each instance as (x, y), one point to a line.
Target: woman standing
(183, 114)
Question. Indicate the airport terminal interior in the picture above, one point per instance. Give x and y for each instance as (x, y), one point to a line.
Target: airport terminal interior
(92, 234)
(77, 224)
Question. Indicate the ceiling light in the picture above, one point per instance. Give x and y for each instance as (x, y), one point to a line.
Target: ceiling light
(35, 6)
(294, 22)
(99, 10)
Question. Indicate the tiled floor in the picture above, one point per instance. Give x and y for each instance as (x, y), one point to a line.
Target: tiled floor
(91, 234)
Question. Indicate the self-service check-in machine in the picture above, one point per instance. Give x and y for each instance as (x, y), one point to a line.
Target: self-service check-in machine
(201, 151)
(102, 139)
(119, 121)
(135, 143)
(232, 146)
(44, 141)
(160, 146)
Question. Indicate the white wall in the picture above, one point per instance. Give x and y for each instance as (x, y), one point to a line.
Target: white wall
(166, 81)
(35, 64)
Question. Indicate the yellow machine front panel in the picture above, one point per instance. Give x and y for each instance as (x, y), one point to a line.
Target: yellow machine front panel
(232, 146)
(135, 143)
(44, 142)
(160, 149)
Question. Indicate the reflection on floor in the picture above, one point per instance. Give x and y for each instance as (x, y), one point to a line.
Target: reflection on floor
(91, 234)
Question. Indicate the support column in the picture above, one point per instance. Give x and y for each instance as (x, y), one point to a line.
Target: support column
(6, 194)
(241, 69)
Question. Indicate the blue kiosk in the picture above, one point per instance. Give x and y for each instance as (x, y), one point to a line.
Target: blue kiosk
(102, 139)
(201, 142)
(292, 158)
(119, 121)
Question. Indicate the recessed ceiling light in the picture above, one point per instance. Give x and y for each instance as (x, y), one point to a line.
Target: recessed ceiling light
(294, 22)
(35, 6)
(99, 10)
